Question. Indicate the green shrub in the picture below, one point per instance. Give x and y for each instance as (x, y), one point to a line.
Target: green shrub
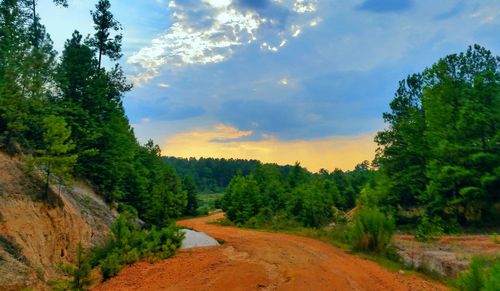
(128, 243)
(428, 228)
(495, 238)
(163, 243)
(110, 266)
(131, 257)
(482, 275)
(341, 233)
(78, 274)
(203, 211)
(372, 231)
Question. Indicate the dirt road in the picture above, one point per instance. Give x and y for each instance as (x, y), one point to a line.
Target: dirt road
(252, 260)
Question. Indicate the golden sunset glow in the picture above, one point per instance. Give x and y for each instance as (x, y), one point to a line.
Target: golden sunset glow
(224, 141)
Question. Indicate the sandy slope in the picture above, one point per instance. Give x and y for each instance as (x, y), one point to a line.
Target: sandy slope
(38, 232)
(251, 260)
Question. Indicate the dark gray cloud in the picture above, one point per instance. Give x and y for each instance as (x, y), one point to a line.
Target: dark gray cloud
(386, 5)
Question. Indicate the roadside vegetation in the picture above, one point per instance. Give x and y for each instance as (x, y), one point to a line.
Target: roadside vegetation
(483, 274)
(437, 170)
(127, 243)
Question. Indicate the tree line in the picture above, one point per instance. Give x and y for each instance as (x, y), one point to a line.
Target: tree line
(271, 194)
(211, 175)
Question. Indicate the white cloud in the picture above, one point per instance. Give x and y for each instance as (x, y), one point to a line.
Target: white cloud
(210, 31)
(145, 120)
(314, 22)
(295, 30)
(304, 6)
(163, 85)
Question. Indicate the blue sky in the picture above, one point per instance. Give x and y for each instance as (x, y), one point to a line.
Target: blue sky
(276, 79)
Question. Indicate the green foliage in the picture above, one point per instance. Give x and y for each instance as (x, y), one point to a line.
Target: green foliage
(372, 231)
(104, 24)
(440, 151)
(189, 186)
(128, 243)
(110, 266)
(428, 228)
(274, 197)
(91, 136)
(53, 157)
(495, 238)
(211, 175)
(79, 273)
(210, 201)
(482, 275)
(242, 199)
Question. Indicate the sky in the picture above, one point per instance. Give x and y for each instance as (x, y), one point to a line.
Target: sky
(276, 80)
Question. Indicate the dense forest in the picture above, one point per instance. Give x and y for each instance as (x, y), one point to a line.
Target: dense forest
(296, 197)
(211, 174)
(437, 166)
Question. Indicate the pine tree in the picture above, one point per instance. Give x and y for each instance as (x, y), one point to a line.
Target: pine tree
(192, 200)
(104, 23)
(13, 50)
(53, 157)
(78, 273)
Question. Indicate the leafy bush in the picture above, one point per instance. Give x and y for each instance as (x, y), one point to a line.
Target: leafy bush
(483, 275)
(372, 231)
(78, 274)
(110, 266)
(129, 243)
(428, 228)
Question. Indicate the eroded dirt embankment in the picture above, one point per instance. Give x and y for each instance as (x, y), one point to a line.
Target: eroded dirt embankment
(38, 231)
(252, 260)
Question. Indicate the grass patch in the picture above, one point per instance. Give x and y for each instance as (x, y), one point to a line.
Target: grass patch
(495, 238)
(483, 274)
(223, 222)
(209, 200)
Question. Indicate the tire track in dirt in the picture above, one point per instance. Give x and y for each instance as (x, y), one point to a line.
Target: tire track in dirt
(253, 260)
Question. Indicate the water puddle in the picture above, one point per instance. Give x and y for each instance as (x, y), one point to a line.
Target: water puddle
(197, 239)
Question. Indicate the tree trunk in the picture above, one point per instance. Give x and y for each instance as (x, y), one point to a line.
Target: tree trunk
(35, 26)
(47, 183)
(100, 58)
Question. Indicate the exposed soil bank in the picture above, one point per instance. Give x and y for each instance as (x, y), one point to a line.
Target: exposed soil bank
(252, 260)
(38, 231)
(447, 255)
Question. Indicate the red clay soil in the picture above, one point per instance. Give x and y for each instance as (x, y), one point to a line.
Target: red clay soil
(252, 260)
(479, 244)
